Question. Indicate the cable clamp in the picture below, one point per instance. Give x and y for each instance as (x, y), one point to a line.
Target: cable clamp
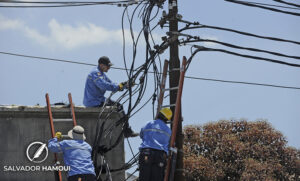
(173, 149)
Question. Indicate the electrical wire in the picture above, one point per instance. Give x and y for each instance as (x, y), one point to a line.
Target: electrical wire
(240, 47)
(239, 32)
(262, 7)
(288, 3)
(130, 175)
(272, 5)
(242, 82)
(63, 4)
(188, 77)
(202, 48)
(127, 165)
(59, 2)
(142, 70)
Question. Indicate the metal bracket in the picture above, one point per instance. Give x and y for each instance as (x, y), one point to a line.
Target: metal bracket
(173, 149)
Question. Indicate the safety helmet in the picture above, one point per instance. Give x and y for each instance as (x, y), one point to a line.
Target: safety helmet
(166, 112)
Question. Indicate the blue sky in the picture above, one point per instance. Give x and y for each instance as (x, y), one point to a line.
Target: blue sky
(85, 33)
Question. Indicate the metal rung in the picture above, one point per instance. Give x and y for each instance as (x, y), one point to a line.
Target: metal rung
(62, 120)
(171, 105)
(172, 88)
(175, 69)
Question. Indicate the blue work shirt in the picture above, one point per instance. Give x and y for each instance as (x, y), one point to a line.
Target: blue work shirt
(156, 135)
(97, 83)
(76, 153)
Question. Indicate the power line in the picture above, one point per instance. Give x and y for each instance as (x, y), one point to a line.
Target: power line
(241, 82)
(240, 47)
(59, 2)
(63, 4)
(202, 48)
(189, 77)
(54, 59)
(239, 32)
(272, 5)
(262, 7)
(288, 3)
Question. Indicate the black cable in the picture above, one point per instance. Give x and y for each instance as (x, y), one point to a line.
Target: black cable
(142, 106)
(201, 48)
(45, 58)
(127, 165)
(272, 5)
(130, 175)
(189, 60)
(263, 7)
(130, 108)
(156, 76)
(149, 59)
(239, 32)
(130, 147)
(63, 4)
(189, 77)
(123, 41)
(240, 47)
(55, 6)
(60, 2)
(288, 3)
(133, 76)
(242, 82)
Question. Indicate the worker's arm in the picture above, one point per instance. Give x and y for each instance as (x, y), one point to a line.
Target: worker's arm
(142, 133)
(54, 145)
(100, 82)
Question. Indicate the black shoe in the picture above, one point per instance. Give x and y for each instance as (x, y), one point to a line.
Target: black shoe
(129, 133)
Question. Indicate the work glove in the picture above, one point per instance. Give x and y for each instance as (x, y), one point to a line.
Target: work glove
(126, 85)
(121, 86)
(58, 135)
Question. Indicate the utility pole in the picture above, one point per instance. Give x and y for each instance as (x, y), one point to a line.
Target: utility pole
(174, 69)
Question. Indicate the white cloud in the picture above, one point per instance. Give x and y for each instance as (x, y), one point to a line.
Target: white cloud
(65, 35)
(210, 44)
(83, 35)
(8, 24)
(35, 35)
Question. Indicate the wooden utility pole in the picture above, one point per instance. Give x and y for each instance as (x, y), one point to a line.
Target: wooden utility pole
(174, 74)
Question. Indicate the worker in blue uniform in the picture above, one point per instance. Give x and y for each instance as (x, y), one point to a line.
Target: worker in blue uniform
(76, 154)
(155, 147)
(97, 83)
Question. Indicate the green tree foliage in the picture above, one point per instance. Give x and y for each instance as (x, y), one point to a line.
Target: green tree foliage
(238, 150)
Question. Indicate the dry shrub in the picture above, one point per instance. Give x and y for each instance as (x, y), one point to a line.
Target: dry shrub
(238, 150)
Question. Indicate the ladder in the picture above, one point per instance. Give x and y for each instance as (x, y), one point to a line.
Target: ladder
(58, 175)
(162, 87)
(171, 164)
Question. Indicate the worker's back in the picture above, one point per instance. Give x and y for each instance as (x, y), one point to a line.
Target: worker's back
(156, 134)
(77, 155)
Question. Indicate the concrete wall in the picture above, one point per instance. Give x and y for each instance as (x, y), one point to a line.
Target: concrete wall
(21, 125)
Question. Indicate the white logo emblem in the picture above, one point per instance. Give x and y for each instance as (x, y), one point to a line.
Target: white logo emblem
(37, 152)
